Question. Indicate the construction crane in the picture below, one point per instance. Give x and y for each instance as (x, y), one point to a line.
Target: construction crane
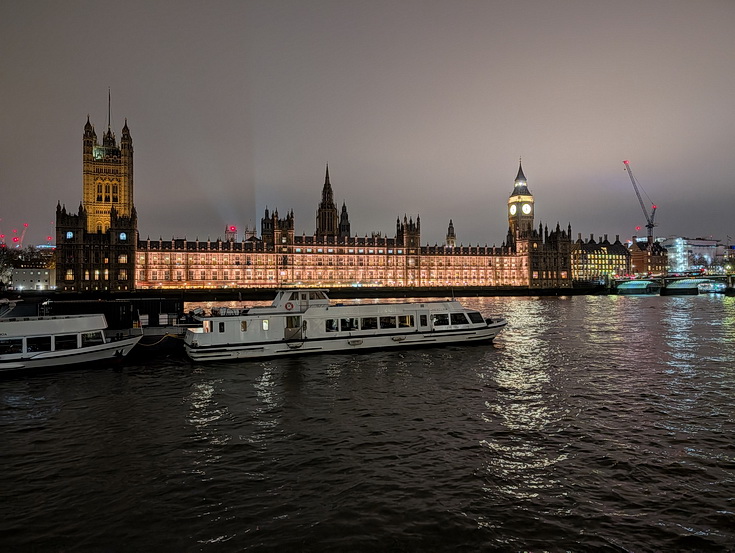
(649, 217)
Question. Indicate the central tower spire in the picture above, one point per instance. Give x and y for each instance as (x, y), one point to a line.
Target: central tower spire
(327, 216)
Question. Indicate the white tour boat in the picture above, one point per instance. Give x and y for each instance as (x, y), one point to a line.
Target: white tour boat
(304, 321)
(58, 341)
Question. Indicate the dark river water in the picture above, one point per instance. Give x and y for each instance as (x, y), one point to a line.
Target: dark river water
(591, 424)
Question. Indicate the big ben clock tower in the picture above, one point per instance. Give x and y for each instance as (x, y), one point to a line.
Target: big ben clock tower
(520, 205)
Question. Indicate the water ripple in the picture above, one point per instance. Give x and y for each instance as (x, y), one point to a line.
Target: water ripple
(592, 424)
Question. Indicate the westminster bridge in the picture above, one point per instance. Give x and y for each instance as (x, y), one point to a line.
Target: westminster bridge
(677, 284)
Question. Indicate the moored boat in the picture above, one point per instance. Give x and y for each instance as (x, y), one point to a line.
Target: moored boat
(59, 341)
(305, 321)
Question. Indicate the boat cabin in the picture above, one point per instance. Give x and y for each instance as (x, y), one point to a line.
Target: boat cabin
(300, 300)
(21, 335)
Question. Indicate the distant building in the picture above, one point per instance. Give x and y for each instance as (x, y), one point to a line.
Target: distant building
(36, 278)
(596, 261)
(647, 257)
(686, 254)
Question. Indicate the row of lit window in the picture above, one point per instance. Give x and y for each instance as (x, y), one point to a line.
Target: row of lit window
(107, 170)
(97, 274)
(546, 275)
(269, 259)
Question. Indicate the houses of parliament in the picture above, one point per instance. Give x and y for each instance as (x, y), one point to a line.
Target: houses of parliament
(99, 249)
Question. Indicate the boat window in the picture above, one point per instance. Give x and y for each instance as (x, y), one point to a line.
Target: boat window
(11, 345)
(92, 339)
(423, 320)
(38, 343)
(441, 319)
(293, 321)
(349, 324)
(475, 317)
(243, 326)
(405, 321)
(315, 296)
(331, 325)
(221, 326)
(369, 323)
(387, 322)
(65, 341)
(265, 324)
(459, 319)
(294, 296)
(207, 326)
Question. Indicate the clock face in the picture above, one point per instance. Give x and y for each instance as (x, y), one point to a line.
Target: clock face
(69, 235)
(513, 209)
(123, 236)
(526, 208)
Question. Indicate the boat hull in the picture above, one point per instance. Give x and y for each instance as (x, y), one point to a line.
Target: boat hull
(344, 344)
(109, 351)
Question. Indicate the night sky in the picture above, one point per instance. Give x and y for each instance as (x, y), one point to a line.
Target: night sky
(418, 107)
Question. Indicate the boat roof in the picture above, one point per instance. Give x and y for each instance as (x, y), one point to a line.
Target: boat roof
(15, 327)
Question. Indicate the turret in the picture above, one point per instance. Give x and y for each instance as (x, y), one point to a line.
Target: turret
(126, 142)
(451, 240)
(344, 222)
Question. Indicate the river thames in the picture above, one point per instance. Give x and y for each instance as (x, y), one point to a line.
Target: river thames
(593, 423)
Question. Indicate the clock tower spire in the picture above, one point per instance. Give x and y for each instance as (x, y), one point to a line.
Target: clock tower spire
(520, 205)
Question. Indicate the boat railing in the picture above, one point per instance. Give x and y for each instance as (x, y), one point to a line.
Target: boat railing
(124, 334)
(227, 312)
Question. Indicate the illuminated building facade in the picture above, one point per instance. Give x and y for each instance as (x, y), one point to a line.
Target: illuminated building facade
(95, 247)
(596, 261)
(98, 247)
(530, 258)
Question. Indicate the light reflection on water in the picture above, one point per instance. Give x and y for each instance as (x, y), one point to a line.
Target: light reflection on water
(592, 424)
(525, 405)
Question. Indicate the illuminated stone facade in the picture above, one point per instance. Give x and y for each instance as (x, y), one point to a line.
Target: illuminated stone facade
(95, 247)
(107, 177)
(529, 258)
